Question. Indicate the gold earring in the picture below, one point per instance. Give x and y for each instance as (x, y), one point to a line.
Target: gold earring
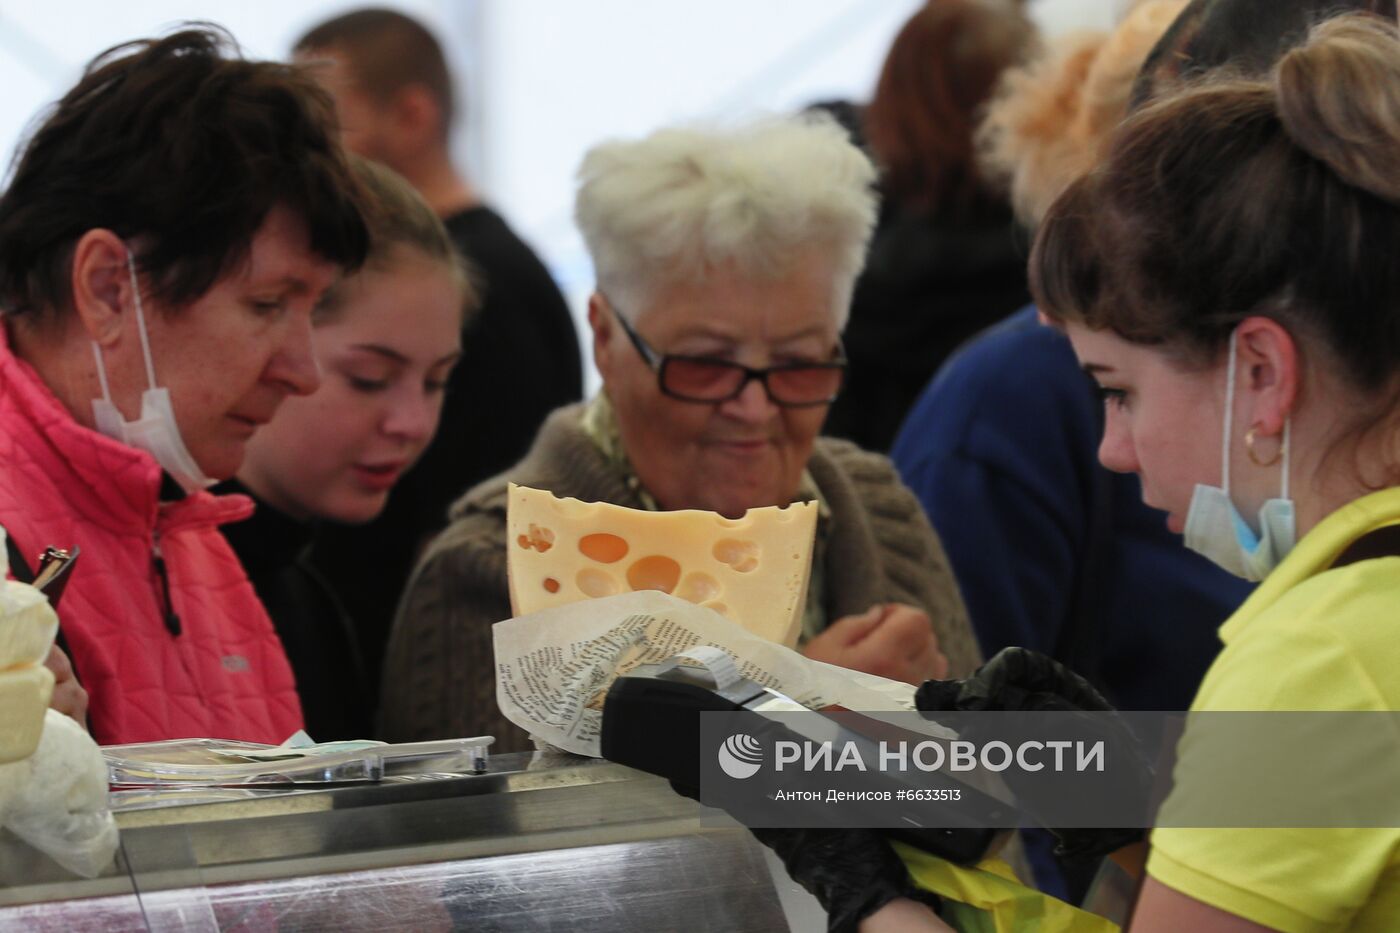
(1253, 457)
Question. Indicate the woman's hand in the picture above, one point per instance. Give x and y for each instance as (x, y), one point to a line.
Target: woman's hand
(69, 697)
(890, 640)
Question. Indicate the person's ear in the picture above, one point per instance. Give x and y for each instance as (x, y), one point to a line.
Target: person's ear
(101, 285)
(417, 115)
(600, 320)
(1271, 366)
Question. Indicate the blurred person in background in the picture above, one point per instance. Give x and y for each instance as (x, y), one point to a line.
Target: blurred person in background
(1052, 550)
(166, 233)
(386, 339)
(947, 259)
(520, 355)
(722, 289)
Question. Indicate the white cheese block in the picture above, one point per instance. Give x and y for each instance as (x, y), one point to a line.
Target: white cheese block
(28, 625)
(752, 569)
(24, 695)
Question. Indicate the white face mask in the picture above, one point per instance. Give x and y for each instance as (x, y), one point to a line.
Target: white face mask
(155, 431)
(1215, 528)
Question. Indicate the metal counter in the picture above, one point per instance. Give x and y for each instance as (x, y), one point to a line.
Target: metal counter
(580, 847)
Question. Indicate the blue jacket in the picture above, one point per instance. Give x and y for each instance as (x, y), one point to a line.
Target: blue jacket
(1001, 449)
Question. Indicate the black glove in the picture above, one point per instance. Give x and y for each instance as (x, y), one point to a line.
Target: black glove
(1021, 680)
(1015, 679)
(852, 872)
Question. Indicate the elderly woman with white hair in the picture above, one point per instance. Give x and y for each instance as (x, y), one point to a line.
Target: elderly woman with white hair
(725, 262)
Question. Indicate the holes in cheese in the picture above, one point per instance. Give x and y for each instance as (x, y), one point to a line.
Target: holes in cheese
(753, 569)
(604, 548)
(654, 573)
(595, 583)
(741, 555)
(541, 539)
(699, 588)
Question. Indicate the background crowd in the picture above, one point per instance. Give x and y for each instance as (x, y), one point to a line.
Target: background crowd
(1071, 342)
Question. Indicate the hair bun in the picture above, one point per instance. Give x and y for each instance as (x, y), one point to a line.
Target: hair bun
(1339, 100)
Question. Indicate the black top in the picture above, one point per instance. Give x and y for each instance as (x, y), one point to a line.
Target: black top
(930, 283)
(928, 286)
(520, 361)
(315, 630)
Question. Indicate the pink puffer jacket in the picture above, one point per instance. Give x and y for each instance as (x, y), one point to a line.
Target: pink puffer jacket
(205, 663)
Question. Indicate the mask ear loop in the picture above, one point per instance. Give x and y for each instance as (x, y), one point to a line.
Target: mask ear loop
(101, 373)
(140, 324)
(1287, 432)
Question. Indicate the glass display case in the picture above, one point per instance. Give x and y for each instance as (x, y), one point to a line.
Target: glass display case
(578, 845)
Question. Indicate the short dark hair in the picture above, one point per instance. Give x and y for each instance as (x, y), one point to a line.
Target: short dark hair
(386, 51)
(183, 144)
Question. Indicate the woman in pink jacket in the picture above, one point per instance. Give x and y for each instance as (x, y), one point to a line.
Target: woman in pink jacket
(163, 240)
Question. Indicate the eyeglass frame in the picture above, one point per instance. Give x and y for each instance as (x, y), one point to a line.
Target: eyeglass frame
(657, 362)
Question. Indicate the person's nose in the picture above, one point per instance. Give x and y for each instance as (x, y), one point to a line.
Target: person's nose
(752, 404)
(1116, 451)
(294, 365)
(413, 416)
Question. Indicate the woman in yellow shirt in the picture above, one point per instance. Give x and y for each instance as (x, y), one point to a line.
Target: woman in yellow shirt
(1227, 276)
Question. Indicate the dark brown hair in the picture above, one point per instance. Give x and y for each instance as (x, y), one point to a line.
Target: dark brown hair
(1245, 36)
(184, 145)
(386, 51)
(1277, 197)
(398, 218)
(940, 71)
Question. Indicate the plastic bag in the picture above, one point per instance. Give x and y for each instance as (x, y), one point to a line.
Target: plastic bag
(989, 899)
(61, 809)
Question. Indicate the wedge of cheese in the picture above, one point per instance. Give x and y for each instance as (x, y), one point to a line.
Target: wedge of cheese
(27, 625)
(24, 695)
(753, 569)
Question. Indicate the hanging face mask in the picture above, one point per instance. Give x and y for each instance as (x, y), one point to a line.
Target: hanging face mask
(1215, 528)
(155, 431)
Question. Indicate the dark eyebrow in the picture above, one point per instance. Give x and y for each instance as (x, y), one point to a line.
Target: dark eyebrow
(386, 352)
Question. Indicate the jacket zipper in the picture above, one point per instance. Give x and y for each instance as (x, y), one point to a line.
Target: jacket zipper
(172, 619)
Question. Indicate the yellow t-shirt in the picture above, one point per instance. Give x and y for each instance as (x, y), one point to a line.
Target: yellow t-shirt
(1309, 638)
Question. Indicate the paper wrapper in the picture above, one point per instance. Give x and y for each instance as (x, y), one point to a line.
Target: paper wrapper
(554, 667)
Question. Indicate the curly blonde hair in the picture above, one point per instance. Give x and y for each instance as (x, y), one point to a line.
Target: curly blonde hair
(1050, 118)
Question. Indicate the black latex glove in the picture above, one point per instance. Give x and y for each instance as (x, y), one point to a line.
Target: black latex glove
(852, 872)
(1018, 679)
(1015, 679)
